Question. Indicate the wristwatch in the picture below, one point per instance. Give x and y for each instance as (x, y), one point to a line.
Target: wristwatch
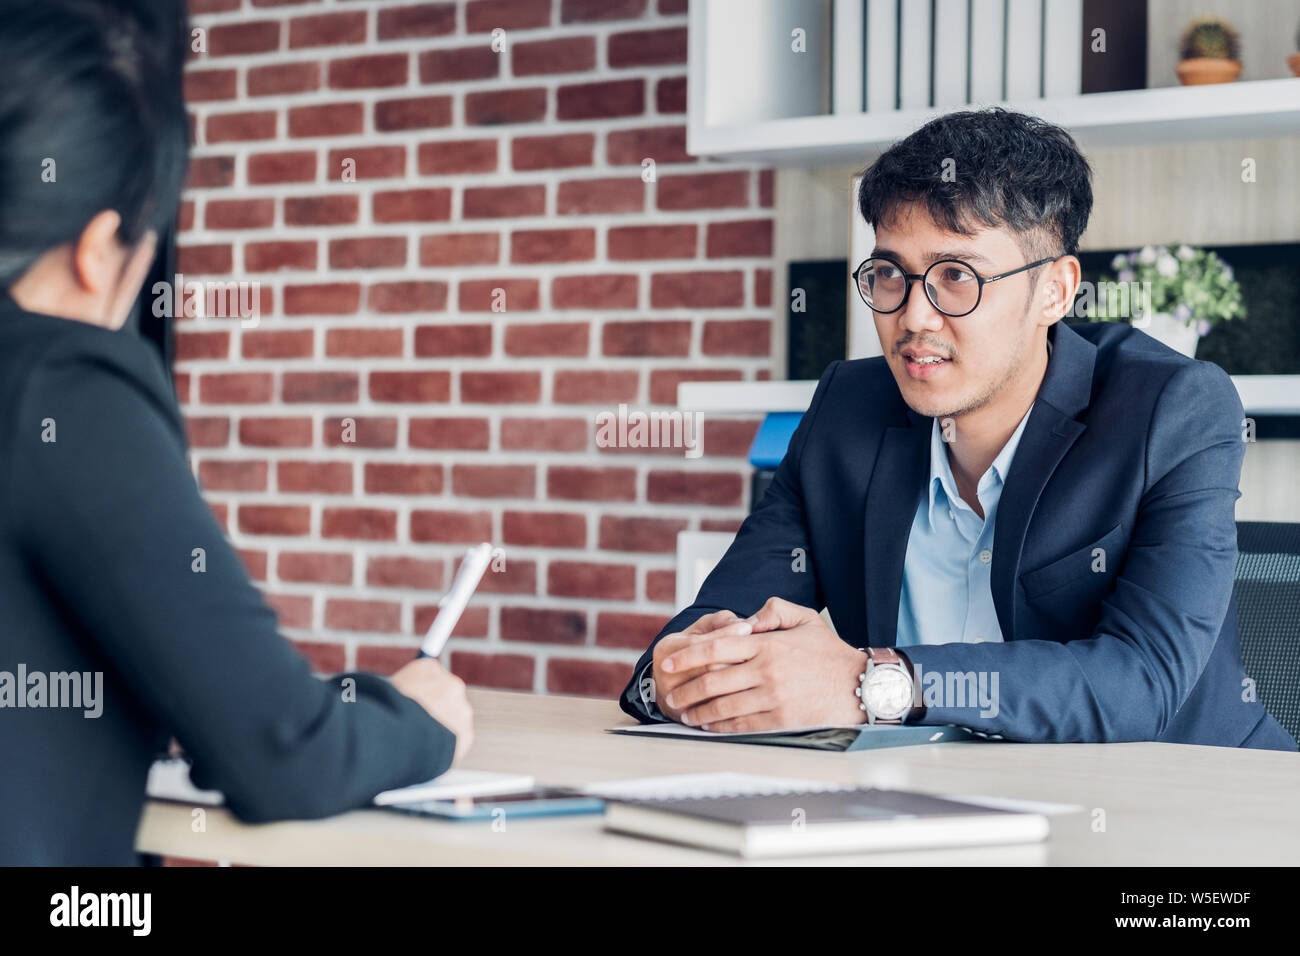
(885, 687)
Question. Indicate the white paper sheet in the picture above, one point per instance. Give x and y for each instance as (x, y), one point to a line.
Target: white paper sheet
(170, 780)
(706, 785)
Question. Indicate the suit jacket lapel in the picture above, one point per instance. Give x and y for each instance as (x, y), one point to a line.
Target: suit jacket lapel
(1050, 432)
(898, 482)
(893, 494)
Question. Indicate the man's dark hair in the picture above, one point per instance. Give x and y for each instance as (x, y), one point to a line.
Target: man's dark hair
(92, 94)
(1008, 169)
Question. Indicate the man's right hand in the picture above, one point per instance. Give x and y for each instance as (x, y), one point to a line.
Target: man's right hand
(710, 626)
(442, 694)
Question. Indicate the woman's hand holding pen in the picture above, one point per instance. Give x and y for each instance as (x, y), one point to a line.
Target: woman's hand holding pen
(442, 694)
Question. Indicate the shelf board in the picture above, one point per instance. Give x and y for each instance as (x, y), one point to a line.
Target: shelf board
(745, 397)
(1260, 395)
(1242, 110)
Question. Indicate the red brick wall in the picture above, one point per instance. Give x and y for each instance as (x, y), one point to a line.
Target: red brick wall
(476, 171)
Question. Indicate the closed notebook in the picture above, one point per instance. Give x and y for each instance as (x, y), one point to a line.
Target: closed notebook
(855, 737)
(835, 821)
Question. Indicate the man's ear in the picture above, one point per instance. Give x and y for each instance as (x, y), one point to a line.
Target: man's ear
(97, 255)
(1060, 286)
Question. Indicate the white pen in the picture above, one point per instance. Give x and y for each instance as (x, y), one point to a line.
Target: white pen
(453, 602)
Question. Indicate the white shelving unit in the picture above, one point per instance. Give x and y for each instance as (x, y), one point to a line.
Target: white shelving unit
(1131, 118)
(728, 67)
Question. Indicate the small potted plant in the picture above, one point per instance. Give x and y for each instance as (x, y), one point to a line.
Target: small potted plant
(1293, 60)
(1175, 294)
(1208, 52)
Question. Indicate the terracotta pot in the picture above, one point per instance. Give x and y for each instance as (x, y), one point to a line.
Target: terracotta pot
(1293, 61)
(1200, 70)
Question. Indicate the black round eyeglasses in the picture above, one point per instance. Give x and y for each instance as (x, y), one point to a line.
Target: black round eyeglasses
(952, 286)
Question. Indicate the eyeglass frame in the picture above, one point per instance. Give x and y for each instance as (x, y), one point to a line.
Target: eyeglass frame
(910, 277)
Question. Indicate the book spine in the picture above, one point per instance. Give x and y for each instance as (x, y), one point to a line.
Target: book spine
(951, 42)
(882, 55)
(1024, 50)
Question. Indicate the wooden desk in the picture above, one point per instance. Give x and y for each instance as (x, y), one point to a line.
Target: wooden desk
(1163, 804)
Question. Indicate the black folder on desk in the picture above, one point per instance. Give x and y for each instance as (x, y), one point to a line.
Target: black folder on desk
(854, 737)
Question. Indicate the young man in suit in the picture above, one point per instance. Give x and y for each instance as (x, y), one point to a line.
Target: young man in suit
(1016, 525)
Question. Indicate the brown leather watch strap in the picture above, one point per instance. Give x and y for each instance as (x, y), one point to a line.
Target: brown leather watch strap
(918, 709)
(885, 655)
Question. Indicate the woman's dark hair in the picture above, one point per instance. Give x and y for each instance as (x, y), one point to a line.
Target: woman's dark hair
(92, 117)
(992, 166)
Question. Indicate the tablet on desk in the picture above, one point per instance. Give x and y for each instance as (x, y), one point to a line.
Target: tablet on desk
(536, 802)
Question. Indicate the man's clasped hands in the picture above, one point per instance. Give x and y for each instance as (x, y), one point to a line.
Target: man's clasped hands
(780, 667)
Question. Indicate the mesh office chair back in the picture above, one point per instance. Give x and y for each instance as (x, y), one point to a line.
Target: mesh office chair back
(1267, 589)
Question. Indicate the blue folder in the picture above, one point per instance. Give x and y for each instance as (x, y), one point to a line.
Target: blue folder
(773, 439)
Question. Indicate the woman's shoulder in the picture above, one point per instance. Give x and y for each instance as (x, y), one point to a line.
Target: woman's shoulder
(48, 356)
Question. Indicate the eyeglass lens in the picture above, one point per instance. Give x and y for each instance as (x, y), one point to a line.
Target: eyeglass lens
(952, 287)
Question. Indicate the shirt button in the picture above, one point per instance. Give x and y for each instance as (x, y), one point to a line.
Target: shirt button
(986, 556)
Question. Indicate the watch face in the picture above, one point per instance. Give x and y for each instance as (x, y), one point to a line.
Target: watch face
(888, 692)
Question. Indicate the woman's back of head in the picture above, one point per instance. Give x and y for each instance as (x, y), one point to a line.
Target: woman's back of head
(92, 118)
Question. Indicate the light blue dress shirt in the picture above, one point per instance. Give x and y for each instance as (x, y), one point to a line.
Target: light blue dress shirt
(947, 593)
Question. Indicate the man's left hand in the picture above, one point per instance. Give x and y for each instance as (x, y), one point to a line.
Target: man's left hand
(792, 671)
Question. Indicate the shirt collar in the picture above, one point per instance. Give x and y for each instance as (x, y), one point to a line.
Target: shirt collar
(941, 471)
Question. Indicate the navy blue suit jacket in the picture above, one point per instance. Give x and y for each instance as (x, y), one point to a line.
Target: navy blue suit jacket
(1132, 448)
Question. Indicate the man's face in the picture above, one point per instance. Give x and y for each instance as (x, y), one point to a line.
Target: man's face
(986, 352)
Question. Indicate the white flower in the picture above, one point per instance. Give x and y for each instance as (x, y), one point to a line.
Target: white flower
(1186, 252)
(1147, 255)
(1119, 262)
(1167, 266)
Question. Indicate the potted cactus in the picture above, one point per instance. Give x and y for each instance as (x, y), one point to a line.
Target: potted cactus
(1208, 51)
(1293, 60)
